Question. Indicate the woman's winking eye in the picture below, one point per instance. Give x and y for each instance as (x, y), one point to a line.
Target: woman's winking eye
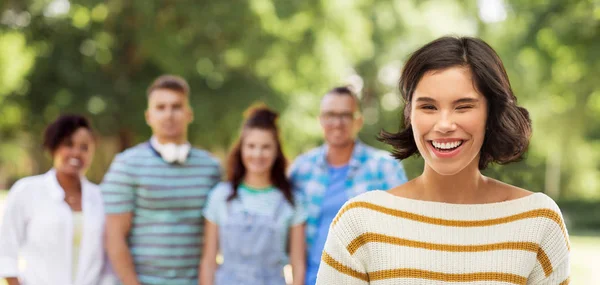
(464, 107)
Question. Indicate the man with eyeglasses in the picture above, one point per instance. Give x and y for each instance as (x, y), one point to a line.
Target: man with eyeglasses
(342, 168)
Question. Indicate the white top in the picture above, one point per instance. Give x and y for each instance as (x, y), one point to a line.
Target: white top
(38, 227)
(77, 234)
(379, 238)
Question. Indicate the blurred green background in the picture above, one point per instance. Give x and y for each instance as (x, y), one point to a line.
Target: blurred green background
(97, 57)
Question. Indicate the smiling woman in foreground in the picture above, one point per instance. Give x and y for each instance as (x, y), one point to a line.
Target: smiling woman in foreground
(451, 224)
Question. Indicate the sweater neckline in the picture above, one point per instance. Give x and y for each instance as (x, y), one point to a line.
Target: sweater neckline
(507, 203)
(451, 211)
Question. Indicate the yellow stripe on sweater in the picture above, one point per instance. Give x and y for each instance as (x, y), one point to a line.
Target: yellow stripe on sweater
(365, 238)
(450, 277)
(543, 213)
(545, 262)
(423, 274)
(343, 268)
(374, 237)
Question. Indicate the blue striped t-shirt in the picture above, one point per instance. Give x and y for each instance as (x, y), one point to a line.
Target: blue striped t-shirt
(167, 201)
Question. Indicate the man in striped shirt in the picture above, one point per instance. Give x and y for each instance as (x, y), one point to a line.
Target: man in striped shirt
(154, 194)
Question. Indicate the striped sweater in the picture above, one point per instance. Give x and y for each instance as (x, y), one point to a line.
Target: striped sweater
(379, 238)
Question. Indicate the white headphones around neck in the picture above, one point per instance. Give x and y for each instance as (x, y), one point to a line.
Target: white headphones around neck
(171, 152)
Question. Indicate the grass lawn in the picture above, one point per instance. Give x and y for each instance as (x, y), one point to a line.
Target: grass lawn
(585, 256)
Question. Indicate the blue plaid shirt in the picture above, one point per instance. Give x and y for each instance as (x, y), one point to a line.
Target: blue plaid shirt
(370, 169)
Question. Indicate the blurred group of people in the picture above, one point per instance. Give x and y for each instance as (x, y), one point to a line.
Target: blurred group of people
(163, 213)
(164, 207)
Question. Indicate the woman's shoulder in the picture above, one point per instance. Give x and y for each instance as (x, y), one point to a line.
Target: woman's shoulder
(356, 211)
(372, 197)
(30, 180)
(542, 202)
(221, 190)
(29, 184)
(374, 204)
(26, 190)
(370, 200)
(535, 200)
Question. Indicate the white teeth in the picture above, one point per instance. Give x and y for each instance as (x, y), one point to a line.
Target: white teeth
(74, 162)
(449, 145)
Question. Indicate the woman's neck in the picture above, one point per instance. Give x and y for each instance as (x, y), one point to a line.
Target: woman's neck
(468, 186)
(69, 183)
(258, 180)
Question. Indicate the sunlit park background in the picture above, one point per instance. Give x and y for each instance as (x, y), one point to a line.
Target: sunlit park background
(97, 57)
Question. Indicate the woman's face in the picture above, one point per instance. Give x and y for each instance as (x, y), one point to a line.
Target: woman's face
(448, 118)
(74, 154)
(259, 151)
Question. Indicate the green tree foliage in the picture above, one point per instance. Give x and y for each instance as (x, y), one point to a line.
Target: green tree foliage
(97, 58)
(552, 53)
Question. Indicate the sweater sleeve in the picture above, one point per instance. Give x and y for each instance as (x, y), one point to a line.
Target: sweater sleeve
(553, 266)
(559, 275)
(338, 266)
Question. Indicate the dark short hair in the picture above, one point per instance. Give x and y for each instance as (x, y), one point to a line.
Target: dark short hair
(508, 126)
(62, 129)
(263, 118)
(169, 82)
(345, 91)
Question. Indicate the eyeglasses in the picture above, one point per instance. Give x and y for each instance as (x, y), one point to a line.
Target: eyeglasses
(344, 118)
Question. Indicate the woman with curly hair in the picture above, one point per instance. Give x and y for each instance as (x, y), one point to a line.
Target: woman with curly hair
(54, 222)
